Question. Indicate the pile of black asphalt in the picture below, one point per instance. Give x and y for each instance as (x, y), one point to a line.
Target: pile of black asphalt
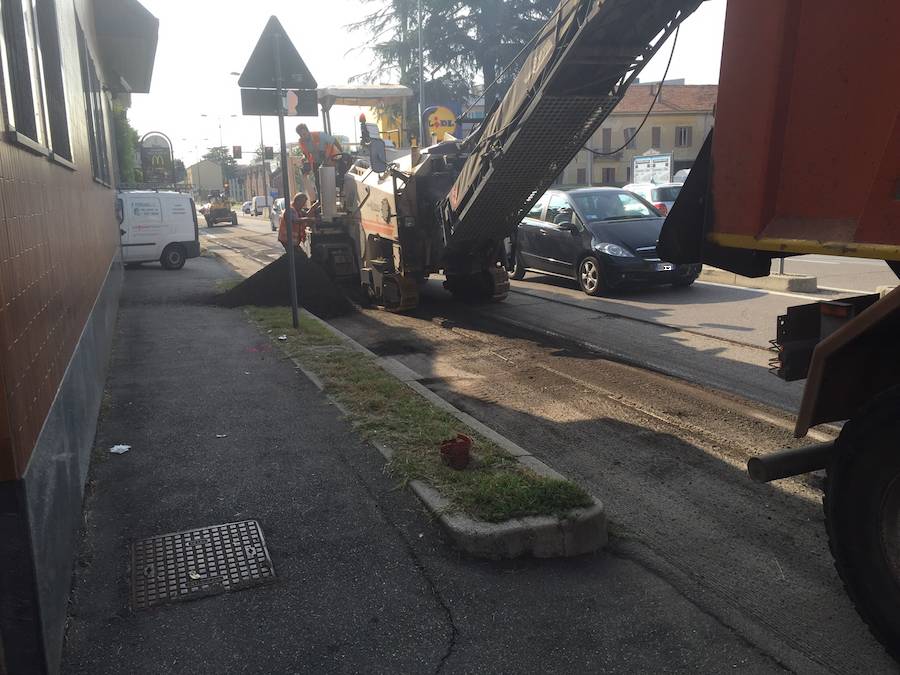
(270, 287)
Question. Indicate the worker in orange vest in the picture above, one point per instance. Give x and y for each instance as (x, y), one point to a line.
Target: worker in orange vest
(317, 147)
(301, 218)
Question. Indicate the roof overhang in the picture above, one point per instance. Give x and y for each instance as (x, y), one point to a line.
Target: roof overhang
(367, 95)
(127, 35)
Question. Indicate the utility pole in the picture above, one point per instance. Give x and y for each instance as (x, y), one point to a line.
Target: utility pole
(421, 77)
(286, 186)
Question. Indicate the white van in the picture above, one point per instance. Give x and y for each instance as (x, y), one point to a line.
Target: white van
(259, 203)
(157, 226)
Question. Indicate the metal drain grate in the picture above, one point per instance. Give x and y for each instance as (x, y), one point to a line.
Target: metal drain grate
(197, 563)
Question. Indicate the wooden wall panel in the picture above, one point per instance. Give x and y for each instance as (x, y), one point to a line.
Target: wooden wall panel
(58, 236)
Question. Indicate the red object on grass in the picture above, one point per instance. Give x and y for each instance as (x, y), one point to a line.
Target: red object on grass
(456, 452)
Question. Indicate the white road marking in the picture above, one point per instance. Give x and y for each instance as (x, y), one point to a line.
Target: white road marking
(759, 290)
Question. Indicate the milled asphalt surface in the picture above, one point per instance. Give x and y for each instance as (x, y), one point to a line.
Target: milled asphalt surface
(366, 583)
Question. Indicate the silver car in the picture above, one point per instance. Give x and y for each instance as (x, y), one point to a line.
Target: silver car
(661, 195)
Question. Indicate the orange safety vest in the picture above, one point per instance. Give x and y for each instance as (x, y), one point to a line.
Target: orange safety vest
(313, 151)
(298, 228)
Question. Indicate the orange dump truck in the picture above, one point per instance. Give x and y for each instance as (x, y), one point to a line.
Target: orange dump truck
(805, 158)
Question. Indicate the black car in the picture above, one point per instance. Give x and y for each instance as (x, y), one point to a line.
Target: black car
(602, 237)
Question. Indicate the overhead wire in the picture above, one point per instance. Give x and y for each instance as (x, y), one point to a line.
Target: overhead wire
(599, 153)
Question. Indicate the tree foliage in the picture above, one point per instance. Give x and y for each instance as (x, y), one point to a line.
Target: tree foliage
(464, 41)
(127, 144)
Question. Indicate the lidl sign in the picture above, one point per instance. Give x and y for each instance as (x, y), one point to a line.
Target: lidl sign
(439, 121)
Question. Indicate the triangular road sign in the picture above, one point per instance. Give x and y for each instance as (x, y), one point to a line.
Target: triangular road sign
(259, 73)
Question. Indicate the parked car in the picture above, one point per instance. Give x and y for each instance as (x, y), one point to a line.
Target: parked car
(602, 237)
(246, 207)
(275, 212)
(662, 195)
(157, 226)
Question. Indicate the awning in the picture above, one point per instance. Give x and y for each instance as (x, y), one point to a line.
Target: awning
(126, 36)
(366, 95)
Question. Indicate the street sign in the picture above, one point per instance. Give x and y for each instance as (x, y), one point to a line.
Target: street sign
(273, 193)
(300, 102)
(156, 158)
(259, 72)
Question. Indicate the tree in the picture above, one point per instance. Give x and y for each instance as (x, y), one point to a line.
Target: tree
(127, 143)
(180, 171)
(463, 40)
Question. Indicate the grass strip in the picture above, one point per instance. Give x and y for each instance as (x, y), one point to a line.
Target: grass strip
(494, 488)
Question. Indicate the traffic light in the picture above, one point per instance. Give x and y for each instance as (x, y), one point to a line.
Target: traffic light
(268, 153)
(236, 151)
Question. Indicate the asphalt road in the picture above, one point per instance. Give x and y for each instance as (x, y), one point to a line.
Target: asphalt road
(665, 455)
(711, 334)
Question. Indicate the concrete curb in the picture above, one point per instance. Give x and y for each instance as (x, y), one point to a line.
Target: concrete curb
(797, 283)
(581, 531)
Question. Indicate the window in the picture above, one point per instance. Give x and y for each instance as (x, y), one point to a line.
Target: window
(34, 95)
(93, 102)
(609, 175)
(54, 88)
(538, 208)
(581, 176)
(656, 140)
(597, 205)
(606, 135)
(22, 76)
(630, 139)
(683, 137)
(558, 203)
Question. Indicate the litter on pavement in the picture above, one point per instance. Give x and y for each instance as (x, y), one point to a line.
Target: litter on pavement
(120, 449)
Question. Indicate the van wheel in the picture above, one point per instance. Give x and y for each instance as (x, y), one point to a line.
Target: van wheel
(173, 257)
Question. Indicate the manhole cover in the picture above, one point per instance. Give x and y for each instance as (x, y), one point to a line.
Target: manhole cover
(196, 563)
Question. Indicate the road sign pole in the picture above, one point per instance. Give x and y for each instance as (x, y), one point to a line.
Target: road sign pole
(286, 186)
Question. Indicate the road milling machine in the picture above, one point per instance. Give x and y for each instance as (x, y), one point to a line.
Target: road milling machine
(448, 208)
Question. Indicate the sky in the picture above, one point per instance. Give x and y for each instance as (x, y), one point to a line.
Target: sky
(201, 42)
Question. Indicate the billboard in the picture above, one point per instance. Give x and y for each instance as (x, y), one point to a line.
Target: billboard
(652, 168)
(156, 159)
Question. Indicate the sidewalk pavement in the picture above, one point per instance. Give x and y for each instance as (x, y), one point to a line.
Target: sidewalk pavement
(365, 582)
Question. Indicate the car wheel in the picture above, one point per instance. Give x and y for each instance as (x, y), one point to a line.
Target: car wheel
(518, 268)
(173, 257)
(590, 278)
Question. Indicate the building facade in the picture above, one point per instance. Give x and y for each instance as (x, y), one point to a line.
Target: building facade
(203, 177)
(63, 63)
(680, 120)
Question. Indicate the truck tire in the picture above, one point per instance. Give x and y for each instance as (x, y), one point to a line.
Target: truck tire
(173, 257)
(862, 514)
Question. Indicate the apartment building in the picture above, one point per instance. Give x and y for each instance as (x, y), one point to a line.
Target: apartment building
(678, 124)
(63, 63)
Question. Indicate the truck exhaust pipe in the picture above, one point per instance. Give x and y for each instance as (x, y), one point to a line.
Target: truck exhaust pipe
(790, 462)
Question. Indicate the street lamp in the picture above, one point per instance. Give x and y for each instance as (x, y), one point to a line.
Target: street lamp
(219, 119)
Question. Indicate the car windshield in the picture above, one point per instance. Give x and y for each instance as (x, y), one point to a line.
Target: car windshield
(666, 194)
(611, 205)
